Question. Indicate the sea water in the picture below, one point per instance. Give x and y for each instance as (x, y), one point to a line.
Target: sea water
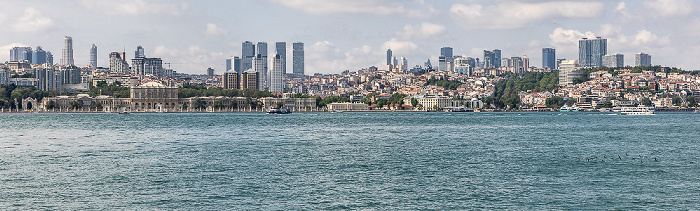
(312, 161)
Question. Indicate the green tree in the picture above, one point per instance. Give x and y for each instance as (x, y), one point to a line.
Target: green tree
(646, 102)
(414, 102)
(676, 101)
(554, 102)
(691, 101)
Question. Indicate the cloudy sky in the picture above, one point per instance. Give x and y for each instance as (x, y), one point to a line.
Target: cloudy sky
(349, 35)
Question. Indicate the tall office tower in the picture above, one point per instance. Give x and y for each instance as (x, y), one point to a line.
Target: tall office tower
(446, 51)
(615, 60)
(506, 62)
(490, 59)
(298, 59)
(231, 80)
(261, 49)
(463, 65)
(49, 57)
(496, 58)
(237, 64)
(259, 67)
(281, 49)
(591, 51)
(67, 59)
(228, 64)
(117, 63)
(394, 62)
(276, 80)
(39, 56)
(404, 64)
(93, 56)
(549, 58)
(139, 52)
(642, 59)
(21, 53)
(147, 66)
(210, 72)
(442, 63)
(388, 56)
(526, 63)
(247, 55)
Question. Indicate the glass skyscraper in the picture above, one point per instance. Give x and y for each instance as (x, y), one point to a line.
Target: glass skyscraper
(549, 58)
(67, 59)
(281, 49)
(93, 56)
(591, 51)
(247, 54)
(389, 54)
(298, 59)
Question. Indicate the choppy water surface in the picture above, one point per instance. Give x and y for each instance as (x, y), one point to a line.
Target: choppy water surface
(349, 161)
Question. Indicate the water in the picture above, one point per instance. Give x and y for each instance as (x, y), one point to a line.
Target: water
(257, 161)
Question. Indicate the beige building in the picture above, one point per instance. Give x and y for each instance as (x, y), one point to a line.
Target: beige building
(348, 107)
(154, 97)
(294, 104)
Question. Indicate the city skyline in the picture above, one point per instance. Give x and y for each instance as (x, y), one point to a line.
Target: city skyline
(353, 35)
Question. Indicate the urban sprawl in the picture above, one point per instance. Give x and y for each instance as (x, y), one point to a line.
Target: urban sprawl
(596, 81)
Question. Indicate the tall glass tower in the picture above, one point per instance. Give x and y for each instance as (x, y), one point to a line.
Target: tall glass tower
(591, 51)
(281, 49)
(93, 57)
(298, 59)
(247, 55)
(549, 58)
(67, 59)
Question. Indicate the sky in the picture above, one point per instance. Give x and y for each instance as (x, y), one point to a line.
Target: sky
(350, 35)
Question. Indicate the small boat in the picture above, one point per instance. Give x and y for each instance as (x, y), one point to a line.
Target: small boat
(278, 111)
(336, 111)
(565, 108)
(123, 111)
(639, 110)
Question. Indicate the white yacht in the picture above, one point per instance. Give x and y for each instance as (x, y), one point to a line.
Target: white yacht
(639, 110)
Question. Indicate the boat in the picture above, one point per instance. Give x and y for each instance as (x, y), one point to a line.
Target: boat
(336, 111)
(123, 111)
(639, 110)
(569, 109)
(278, 111)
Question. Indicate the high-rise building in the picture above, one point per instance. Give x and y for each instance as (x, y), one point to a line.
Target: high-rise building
(261, 49)
(139, 52)
(39, 56)
(298, 59)
(490, 59)
(93, 57)
(526, 64)
(71, 75)
(276, 80)
(281, 49)
(568, 71)
(446, 51)
(231, 80)
(49, 57)
(404, 64)
(442, 63)
(249, 80)
(147, 66)
(642, 59)
(67, 59)
(247, 55)
(259, 67)
(388, 56)
(615, 60)
(20, 54)
(118, 63)
(237, 64)
(445, 60)
(517, 64)
(464, 65)
(228, 63)
(549, 58)
(497, 58)
(210, 72)
(591, 51)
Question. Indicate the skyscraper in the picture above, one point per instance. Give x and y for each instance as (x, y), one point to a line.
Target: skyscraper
(526, 63)
(67, 59)
(446, 51)
(642, 59)
(615, 60)
(281, 49)
(490, 59)
(247, 54)
(237, 64)
(21, 53)
(117, 63)
(49, 57)
(549, 58)
(93, 57)
(591, 51)
(298, 59)
(276, 80)
(139, 52)
(259, 66)
(228, 64)
(264, 75)
(39, 56)
(445, 58)
(210, 72)
(388, 56)
(497, 58)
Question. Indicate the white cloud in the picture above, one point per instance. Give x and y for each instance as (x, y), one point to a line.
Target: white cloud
(646, 38)
(422, 31)
(369, 7)
(670, 7)
(568, 37)
(325, 57)
(399, 46)
(192, 59)
(32, 21)
(5, 50)
(511, 15)
(214, 30)
(135, 7)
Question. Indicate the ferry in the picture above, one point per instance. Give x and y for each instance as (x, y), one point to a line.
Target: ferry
(569, 109)
(639, 110)
(278, 111)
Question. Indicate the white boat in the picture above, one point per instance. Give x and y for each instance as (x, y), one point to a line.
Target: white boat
(565, 108)
(639, 110)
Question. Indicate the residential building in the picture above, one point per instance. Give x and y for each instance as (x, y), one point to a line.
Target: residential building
(93, 57)
(591, 51)
(614, 60)
(67, 58)
(642, 59)
(277, 74)
(147, 66)
(568, 71)
(210, 72)
(139, 52)
(38, 56)
(117, 63)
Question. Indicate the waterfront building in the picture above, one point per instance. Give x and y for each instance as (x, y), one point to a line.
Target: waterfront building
(93, 57)
(568, 71)
(117, 63)
(347, 107)
(67, 58)
(154, 97)
(38, 56)
(293, 104)
(642, 59)
(549, 58)
(247, 55)
(436, 101)
(277, 74)
(591, 51)
(298, 59)
(614, 60)
(281, 49)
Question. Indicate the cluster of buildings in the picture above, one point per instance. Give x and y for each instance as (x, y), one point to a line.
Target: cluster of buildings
(253, 71)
